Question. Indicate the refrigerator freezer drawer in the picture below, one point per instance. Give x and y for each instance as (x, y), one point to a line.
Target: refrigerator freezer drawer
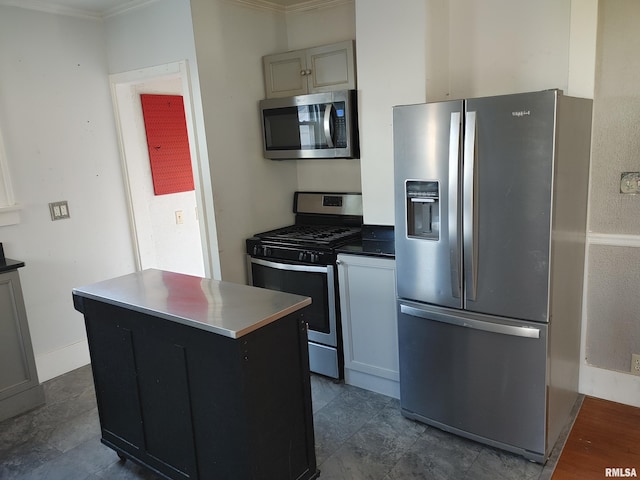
(482, 379)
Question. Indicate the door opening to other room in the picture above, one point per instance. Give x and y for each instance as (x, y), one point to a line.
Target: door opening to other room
(166, 227)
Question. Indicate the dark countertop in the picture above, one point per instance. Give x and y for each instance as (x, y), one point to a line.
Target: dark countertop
(7, 264)
(377, 241)
(360, 249)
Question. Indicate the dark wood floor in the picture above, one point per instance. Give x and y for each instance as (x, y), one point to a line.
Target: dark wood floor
(605, 435)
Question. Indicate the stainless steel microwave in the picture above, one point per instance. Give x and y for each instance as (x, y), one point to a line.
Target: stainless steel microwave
(318, 125)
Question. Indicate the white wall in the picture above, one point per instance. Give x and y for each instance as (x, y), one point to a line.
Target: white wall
(437, 50)
(57, 122)
(157, 34)
(391, 71)
(498, 46)
(251, 194)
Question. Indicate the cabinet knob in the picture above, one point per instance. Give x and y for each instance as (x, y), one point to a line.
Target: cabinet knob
(307, 72)
(303, 73)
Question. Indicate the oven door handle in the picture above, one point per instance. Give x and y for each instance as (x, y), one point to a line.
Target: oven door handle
(291, 266)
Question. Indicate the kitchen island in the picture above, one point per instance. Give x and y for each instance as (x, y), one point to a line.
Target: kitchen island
(201, 379)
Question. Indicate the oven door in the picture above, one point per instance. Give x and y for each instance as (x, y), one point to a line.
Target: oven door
(315, 281)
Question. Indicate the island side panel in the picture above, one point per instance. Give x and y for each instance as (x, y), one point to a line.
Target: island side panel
(274, 417)
(278, 386)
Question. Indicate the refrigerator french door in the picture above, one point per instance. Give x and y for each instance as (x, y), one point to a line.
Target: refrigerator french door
(474, 199)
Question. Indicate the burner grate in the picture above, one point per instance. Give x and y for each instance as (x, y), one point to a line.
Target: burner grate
(311, 234)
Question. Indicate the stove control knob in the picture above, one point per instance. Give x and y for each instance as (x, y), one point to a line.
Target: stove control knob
(301, 256)
(314, 258)
(267, 252)
(255, 250)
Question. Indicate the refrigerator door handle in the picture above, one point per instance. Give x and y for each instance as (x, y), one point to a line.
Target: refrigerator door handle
(454, 161)
(469, 208)
(513, 330)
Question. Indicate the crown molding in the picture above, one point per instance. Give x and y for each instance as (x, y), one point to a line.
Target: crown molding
(132, 5)
(260, 5)
(296, 8)
(51, 7)
(316, 5)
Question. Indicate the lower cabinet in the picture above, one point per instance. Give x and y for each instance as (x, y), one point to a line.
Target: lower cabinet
(369, 322)
(19, 387)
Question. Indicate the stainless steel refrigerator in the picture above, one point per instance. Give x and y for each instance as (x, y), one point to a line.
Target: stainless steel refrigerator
(490, 207)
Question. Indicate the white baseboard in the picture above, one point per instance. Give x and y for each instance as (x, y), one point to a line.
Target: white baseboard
(610, 385)
(385, 386)
(55, 363)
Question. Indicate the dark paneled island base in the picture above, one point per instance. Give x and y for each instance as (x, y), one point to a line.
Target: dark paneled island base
(198, 399)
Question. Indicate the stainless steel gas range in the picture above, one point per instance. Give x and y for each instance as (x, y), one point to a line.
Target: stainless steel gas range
(301, 259)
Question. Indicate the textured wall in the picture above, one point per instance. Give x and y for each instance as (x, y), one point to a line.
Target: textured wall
(613, 303)
(616, 123)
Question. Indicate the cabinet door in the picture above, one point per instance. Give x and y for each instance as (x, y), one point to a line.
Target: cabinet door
(19, 386)
(285, 74)
(318, 69)
(369, 322)
(332, 67)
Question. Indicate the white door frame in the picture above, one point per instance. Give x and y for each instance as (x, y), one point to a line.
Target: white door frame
(121, 84)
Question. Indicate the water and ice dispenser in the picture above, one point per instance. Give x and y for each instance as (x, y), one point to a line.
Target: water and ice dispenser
(423, 209)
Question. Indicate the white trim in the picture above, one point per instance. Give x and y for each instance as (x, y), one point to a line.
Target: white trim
(316, 5)
(613, 240)
(10, 215)
(610, 385)
(63, 360)
(57, 9)
(9, 209)
(121, 83)
(295, 8)
(373, 383)
(6, 177)
(260, 5)
(131, 5)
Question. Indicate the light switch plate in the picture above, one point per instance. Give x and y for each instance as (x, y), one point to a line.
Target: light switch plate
(59, 210)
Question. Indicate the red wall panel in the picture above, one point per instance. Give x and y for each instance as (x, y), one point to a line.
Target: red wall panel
(168, 143)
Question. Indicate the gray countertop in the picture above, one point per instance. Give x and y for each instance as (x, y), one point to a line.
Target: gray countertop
(225, 308)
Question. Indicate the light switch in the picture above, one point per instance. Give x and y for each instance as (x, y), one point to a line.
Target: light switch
(179, 217)
(59, 210)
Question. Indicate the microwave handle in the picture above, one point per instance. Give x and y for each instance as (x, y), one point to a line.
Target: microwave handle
(327, 124)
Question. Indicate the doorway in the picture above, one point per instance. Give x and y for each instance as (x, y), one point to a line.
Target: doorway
(167, 229)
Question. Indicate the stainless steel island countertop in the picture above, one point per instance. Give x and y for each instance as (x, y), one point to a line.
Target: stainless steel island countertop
(225, 308)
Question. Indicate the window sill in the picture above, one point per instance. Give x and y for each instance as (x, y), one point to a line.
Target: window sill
(10, 215)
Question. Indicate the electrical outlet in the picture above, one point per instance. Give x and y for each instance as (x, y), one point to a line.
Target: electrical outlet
(630, 182)
(635, 363)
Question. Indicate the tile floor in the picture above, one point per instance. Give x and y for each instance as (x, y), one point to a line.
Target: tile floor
(359, 435)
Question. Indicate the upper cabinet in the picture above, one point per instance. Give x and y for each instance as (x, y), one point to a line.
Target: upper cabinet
(313, 70)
